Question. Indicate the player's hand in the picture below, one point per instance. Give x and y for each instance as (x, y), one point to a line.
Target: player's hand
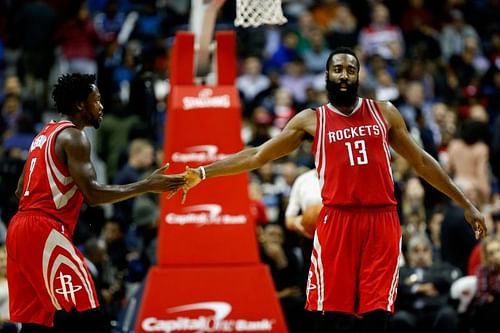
(165, 183)
(192, 177)
(476, 220)
(295, 224)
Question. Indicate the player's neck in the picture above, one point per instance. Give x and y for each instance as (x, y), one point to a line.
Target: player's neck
(346, 109)
(75, 120)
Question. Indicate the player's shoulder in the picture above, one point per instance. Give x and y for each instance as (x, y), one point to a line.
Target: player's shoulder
(387, 106)
(72, 136)
(383, 105)
(388, 110)
(304, 118)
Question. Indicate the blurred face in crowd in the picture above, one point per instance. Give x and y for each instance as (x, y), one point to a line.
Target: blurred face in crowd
(493, 254)
(380, 14)
(252, 66)
(342, 80)
(146, 157)
(420, 255)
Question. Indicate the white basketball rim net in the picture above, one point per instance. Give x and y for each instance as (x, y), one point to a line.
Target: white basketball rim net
(254, 13)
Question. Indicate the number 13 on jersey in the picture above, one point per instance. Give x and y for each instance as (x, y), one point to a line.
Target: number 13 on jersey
(357, 152)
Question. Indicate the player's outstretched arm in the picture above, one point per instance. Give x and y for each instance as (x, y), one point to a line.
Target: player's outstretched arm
(77, 152)
(253, 158)
(428, 168)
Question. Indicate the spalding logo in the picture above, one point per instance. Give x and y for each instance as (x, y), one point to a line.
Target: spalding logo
(205, 99)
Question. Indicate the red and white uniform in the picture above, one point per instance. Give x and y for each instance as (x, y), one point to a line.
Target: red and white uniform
(354, 263)
(46, 272)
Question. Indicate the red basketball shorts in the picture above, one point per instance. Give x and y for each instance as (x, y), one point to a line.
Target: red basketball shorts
(354, 262)
(45, 271)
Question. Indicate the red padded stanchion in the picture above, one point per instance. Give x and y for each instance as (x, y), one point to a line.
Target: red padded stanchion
(208, 278)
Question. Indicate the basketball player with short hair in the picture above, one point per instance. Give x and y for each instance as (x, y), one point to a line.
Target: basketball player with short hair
(46, 272)
(354, 264)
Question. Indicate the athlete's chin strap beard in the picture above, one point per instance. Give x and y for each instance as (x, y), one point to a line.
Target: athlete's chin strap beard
(341, 98)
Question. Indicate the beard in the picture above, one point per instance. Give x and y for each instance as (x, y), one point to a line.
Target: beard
(341, 98)
(95, 122)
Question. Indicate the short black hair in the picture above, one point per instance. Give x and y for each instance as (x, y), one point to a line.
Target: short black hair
(343, 50)
(71, 89)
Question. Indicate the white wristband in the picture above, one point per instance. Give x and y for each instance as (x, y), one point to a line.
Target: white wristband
(203, 174)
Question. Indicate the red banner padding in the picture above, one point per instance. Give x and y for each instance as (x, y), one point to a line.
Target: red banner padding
(210, 299)
(209, 278)
(214, 226)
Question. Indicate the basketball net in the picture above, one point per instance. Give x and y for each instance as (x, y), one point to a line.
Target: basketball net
(254, 13)
(249, 13)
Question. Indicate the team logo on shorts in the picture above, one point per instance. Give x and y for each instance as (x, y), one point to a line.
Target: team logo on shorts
(59, 257)
(67, 287)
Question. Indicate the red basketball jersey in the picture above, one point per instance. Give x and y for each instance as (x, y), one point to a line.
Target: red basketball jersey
(352, 156)
(48, 187)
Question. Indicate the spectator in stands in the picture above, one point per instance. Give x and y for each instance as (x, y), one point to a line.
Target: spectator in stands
(11, 112)
(251, 82)
(145, 214)
(423, 292)
(414, 214)
(35, 25)
(457, 242)
(281, 104)
(110, 21)
(257, 206)
(414, 103)
(454, 34)
(485, 307)
(316, 55)
(78, 40)
(343, 31)
(286, 272)
(468, 157)
(261, 126)
(140, 160)
(419, 27)
(381, 37)
(285, 53)
(295, 81)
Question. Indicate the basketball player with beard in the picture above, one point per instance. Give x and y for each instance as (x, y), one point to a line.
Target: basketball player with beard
(354, 263)
(50, 287)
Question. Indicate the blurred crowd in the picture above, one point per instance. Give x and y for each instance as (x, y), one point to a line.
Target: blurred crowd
(437, 61)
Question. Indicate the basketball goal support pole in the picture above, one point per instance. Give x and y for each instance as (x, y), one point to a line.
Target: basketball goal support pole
(209, 277)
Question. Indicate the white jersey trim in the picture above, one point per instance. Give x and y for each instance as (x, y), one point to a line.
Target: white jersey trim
(319, 272)
(320, 157)
(383, 126)
(394, 283)
(60, 199)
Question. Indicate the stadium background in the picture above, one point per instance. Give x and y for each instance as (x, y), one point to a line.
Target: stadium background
(437, 61)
